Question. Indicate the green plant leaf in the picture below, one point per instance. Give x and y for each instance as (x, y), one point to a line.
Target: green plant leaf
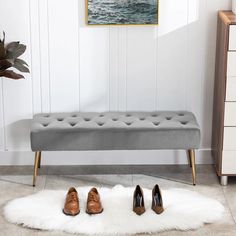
(2, 47)
(19, 66)
(12, 46)
(9, 58)
(21, 61)
(14, 50)
(5, 64)
(11, 74)
(2, 50)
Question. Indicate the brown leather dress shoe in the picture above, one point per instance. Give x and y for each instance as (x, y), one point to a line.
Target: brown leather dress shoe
(138, 201)
(94, 205)
(157, 204)
(71, 206)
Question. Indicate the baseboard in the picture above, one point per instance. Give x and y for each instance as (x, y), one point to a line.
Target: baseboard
(203, 156)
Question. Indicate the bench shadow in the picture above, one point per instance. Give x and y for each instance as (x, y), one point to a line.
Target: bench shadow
(175, 173)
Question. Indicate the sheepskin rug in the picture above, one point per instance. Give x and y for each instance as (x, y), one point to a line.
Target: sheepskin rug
(184, 210)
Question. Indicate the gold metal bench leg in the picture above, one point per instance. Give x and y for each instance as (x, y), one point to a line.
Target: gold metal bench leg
(189, 158)
(36, 166)
(39, 165)
(192, 161)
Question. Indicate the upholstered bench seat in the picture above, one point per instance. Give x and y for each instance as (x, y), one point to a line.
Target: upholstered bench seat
(114, 131)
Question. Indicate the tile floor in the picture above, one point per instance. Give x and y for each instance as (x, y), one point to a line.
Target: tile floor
(16, 182)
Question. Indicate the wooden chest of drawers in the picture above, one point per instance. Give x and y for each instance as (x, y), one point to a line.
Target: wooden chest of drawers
(224, 113)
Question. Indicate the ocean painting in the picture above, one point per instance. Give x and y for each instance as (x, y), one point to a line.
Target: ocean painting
(122, 12)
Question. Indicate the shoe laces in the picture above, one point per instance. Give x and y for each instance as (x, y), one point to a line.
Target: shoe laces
(93, 197)
(73, 197)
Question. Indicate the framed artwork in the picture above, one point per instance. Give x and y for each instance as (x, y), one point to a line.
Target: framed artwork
(122, 12)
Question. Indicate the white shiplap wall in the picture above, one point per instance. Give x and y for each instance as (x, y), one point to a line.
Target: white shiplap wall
(76, 67)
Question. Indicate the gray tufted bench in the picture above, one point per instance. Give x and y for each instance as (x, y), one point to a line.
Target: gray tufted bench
(114, 131)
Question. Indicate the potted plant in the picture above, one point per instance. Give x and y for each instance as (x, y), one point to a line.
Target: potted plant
(9, 58)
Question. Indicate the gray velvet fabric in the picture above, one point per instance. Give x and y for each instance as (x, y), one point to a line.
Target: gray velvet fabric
(114, 131)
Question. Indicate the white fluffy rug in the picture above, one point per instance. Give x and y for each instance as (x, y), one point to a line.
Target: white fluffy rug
(184, 210)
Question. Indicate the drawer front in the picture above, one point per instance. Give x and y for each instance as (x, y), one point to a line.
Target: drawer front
(230, 114)
(229, 162)
(232, 37)
(231, 89)
(231, 64)
(229, 138)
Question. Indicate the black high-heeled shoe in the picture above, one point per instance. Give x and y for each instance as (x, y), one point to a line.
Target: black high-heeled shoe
(157, 204)
(138, 201)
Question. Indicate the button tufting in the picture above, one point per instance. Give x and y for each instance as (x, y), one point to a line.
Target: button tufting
(156, 123)
(72, 124)
(128, 123)
(49, 133)
(100, 123)
(183, 122)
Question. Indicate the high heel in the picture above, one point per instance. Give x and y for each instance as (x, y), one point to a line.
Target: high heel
(157, 204)
(138, 201)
